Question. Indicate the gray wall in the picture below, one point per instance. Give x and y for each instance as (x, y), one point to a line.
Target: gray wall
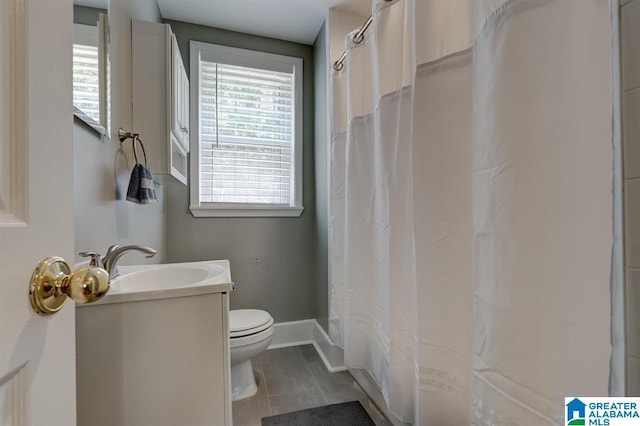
(102, 216)
(272, 259)
(86, 15)
(321, 157)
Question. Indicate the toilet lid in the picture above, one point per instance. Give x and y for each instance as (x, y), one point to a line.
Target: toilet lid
(248, 321)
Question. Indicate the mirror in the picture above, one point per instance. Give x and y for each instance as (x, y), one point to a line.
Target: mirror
(91, 94)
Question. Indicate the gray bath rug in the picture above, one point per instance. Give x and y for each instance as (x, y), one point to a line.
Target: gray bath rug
(344, 414)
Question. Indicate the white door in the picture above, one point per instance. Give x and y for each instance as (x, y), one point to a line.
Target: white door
(37, 354)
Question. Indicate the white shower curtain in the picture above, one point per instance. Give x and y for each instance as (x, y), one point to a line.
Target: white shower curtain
(471, 207)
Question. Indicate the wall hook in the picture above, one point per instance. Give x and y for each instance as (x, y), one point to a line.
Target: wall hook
(124, 135)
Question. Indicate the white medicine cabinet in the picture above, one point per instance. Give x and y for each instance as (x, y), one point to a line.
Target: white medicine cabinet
(160, 98)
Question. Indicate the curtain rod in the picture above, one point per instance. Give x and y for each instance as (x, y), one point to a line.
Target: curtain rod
(357, 39)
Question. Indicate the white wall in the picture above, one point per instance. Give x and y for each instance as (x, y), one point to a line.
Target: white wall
(617, 374)
(321, 159)
(630, 59)
(102, 216)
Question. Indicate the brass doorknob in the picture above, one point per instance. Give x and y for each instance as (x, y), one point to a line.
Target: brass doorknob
(52, 282)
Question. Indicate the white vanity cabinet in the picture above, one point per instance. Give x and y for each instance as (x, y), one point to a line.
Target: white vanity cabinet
(157, 362)
(160, 98)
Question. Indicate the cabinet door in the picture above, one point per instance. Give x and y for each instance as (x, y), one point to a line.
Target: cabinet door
(185, 105)
(176, 91)
(179, 97)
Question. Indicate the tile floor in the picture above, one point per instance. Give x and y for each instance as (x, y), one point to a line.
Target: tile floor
(291, 379)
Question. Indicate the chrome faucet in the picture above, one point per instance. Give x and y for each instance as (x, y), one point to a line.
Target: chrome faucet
(115, 252)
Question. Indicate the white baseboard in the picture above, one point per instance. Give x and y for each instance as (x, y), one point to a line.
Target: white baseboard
(309, 332)
(294, 333)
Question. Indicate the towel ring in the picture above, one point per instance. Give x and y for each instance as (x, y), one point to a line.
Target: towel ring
(136, 138)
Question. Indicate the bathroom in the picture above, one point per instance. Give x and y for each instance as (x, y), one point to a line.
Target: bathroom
(278, 264)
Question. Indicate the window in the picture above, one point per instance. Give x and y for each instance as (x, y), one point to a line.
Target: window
(90, 74)
(246, 152)
(86, 71)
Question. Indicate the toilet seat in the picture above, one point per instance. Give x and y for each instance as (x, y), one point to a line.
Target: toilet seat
(247, 322)
(251, 339)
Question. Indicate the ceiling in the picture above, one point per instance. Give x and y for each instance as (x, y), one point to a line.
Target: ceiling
(293, 20)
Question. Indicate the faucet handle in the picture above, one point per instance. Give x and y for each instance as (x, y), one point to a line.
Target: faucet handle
(95, 258)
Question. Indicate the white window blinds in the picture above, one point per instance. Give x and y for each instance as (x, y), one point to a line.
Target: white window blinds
(246, 135)
(86, 70)
(86, 80)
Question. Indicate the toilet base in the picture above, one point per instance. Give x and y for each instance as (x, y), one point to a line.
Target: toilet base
(243, 381)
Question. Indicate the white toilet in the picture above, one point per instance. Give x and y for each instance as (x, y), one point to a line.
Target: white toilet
(250, 332)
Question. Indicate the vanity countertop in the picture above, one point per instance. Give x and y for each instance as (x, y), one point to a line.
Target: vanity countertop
(149, 282)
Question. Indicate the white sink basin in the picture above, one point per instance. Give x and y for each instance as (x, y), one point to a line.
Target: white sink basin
(144, 282)
(162, 277)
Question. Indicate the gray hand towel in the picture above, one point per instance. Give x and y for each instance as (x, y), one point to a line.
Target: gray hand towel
(141, 189)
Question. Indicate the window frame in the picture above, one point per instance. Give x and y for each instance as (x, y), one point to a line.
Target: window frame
(254, 59)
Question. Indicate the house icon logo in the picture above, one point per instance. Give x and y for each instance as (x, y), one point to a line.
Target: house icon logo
(576, 412)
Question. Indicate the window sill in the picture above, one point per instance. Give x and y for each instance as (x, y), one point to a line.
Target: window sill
(80, 115)
(246, 211)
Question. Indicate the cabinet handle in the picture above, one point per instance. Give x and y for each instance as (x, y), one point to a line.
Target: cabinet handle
(184, 129)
